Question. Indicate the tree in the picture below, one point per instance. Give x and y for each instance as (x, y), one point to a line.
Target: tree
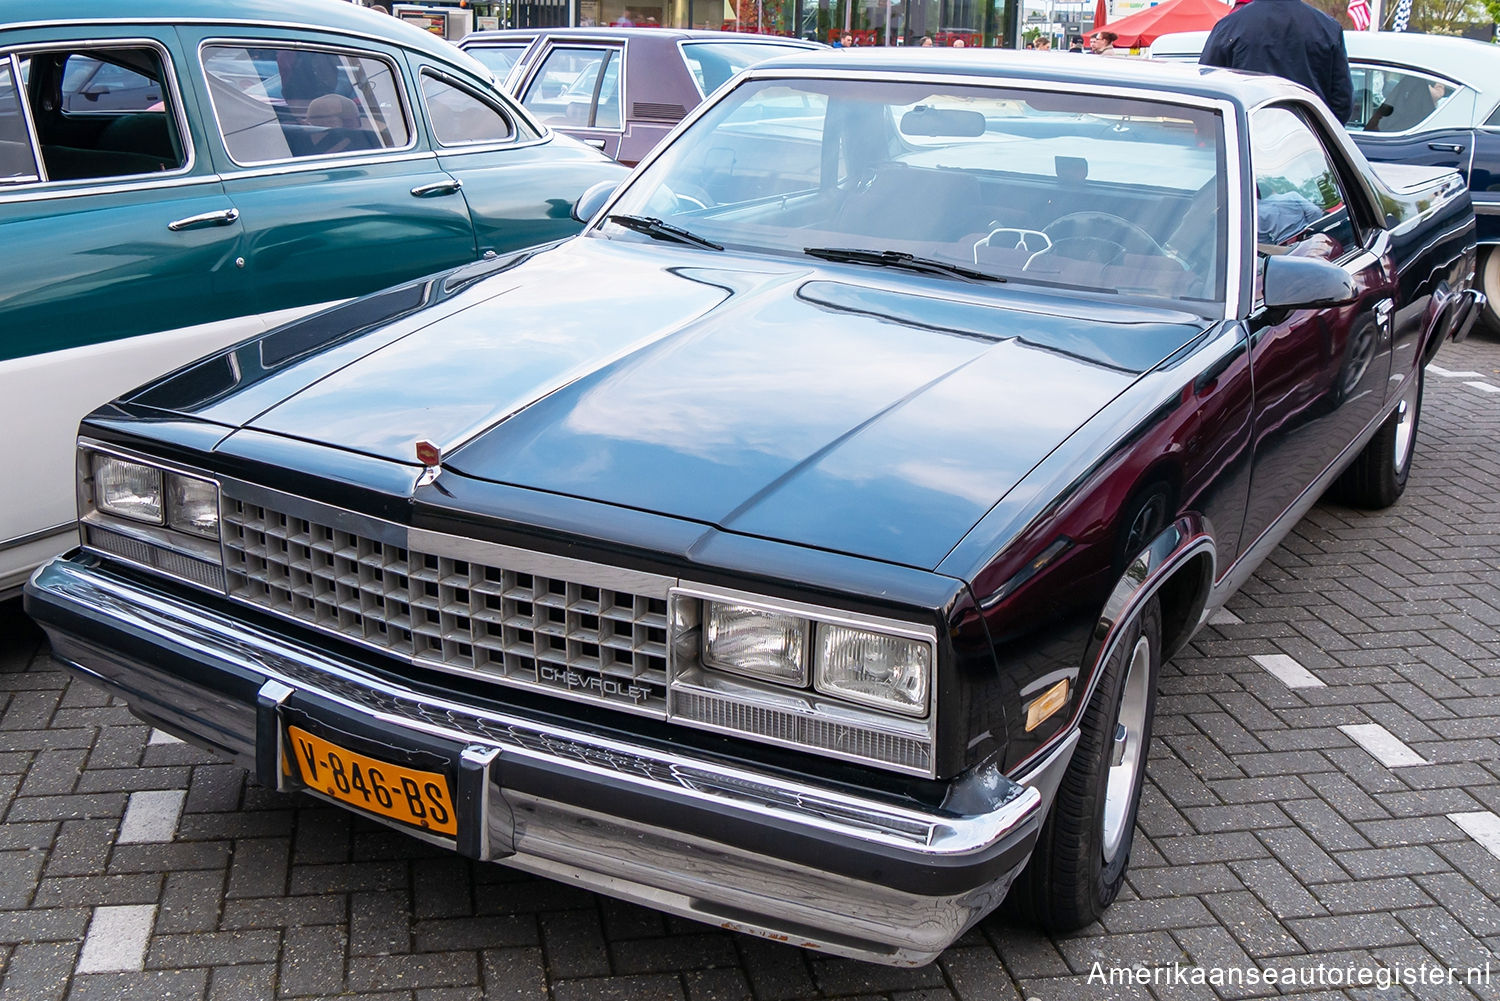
(1437, 17)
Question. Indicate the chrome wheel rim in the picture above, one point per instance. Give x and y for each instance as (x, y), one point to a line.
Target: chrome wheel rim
(1406, 426)
(1127, 750)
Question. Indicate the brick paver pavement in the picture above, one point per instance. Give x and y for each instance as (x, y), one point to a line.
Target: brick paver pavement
(1338, 821)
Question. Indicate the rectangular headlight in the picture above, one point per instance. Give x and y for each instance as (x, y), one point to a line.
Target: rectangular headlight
(754, 642)
(192, 505)
(876, 669)
(128, 489)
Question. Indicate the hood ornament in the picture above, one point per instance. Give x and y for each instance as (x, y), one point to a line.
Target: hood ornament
(431, 458)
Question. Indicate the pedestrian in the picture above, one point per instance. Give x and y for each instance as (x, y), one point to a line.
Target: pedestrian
(1103, 43)
(1075, 44)
(1290, 39)
(926, 41)
(958, 43)
(1041, 43)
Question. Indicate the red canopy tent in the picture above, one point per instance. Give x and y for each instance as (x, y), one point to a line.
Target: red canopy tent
(1142, 28)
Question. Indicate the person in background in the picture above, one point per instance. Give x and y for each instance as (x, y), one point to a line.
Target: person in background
(926, 41)
(1103, 43)
(1041, 43)
(379, 8)
(958, 43)
(849, 40)
(1290, 39)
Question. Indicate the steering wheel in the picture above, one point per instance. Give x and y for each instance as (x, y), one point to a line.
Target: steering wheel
(1100, 237)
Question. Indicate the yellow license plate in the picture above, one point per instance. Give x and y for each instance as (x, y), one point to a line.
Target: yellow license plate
(405, 794)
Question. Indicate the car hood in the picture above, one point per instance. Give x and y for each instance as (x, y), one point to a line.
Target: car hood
(852, 409)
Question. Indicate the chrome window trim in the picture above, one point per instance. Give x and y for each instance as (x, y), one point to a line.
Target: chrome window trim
(551, 45)
(423, 73)
(39, 167)
(313, 164)
(1235, 290)
(169, 72)
(403, 91)
(31, 193)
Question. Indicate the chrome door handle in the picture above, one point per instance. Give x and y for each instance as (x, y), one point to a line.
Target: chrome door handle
(223, 218)
(1383, 312)
(1446, 147)
(437, 188)
(596, 143)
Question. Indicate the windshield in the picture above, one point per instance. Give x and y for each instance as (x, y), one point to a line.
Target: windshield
(1080, 190)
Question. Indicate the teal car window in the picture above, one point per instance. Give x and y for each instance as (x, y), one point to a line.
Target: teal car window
(459, 118)
(123, 133)
(17, 158)
(275, 104)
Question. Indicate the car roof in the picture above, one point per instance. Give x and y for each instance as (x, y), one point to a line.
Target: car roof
(1473, 63)
(335, 15)
(609, 31)
(1063, 68)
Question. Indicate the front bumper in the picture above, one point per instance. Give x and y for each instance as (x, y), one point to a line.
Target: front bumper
(745, 849)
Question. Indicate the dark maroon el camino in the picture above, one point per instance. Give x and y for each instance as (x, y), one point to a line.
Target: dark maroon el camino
(797, 549)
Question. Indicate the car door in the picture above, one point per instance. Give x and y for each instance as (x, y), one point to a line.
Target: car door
(512, 174)
(317, 141)
(1484, 181)
(1320, 374)
(113, 232)
(577, 88)
(1405, 116)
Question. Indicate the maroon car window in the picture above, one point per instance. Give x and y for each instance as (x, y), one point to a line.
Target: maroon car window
(17, 158)
(286, 103)
(459, 118)
(1299, 201)
(571, 84)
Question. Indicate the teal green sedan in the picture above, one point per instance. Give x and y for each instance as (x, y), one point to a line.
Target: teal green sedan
(173, 182)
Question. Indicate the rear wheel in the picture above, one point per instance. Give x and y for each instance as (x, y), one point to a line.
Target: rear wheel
(1489, 284)
(1080, 859)
(1378, 476)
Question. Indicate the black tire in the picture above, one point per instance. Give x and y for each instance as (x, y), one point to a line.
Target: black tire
(1378, 475)
(1081, 856)
(1489, 284)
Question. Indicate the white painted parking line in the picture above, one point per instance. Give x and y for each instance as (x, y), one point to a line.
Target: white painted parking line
(1483, 827)
(1486, 387)
(163, 737)
(116, 940)
(1436, 370)
(1224, 617)
(1288, 671)
(1384, 746)
(151, 817)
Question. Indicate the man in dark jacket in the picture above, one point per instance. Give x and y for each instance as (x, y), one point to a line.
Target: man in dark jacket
(1290, 39)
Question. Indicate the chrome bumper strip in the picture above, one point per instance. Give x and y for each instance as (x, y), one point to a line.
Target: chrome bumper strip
(742, 848)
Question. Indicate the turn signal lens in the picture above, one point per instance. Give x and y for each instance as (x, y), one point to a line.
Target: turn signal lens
(128, 489)
(755, 642)
(1044, 705)
(890, 672)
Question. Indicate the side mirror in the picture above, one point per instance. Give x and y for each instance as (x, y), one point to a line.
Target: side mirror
(592, 200)
(1305, 282)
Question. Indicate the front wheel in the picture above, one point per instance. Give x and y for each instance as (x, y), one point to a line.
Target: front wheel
(1079, 863)
(1489, 284)
(1378, 475)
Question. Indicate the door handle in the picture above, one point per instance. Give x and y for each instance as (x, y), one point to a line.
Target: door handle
(1384, 312)
(1446, 147)
(223, 218)
(596, 143)
(437, 188)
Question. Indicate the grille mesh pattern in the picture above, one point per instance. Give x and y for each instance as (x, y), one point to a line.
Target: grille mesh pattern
(450, 614)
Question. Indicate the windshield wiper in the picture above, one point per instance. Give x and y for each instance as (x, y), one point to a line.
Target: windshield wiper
(898, 259)
(658, 230)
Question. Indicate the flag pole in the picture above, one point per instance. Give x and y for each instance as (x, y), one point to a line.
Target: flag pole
(1376, 13)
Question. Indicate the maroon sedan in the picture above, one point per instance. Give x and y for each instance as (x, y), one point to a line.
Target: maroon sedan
(619, 89)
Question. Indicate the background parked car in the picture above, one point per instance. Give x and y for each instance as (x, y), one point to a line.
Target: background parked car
(169, 185)
(799, 555)
(619, 89)
(1427, 99)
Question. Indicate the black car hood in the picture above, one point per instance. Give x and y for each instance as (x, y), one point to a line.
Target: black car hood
(852, 409)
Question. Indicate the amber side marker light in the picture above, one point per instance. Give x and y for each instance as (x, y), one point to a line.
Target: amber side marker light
(1046, 704)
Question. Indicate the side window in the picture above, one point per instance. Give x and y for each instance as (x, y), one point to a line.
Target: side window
(1299, 201)
(1493, 122)
(1387, 100)
(126, 126)
(17, 159)
(287, 103)
(459, 118)
(563, 90)
(498, 59)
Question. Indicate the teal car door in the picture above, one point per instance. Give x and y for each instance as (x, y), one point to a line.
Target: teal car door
(114, 231)
(319, 149)
(520, 185)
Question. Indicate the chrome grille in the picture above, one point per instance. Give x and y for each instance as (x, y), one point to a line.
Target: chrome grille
(457, 615)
